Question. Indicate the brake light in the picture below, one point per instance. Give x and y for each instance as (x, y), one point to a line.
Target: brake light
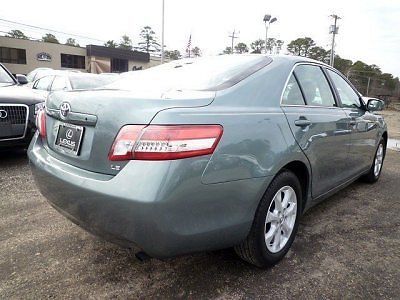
(165, 142)
(41, 123)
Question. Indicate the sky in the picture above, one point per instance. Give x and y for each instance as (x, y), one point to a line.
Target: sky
(369, 30)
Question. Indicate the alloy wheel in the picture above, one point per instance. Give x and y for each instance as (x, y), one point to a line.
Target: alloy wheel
(280, 219)
(378, 160)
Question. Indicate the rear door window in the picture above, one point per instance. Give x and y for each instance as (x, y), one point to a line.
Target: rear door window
(314, 85)
(292, 94)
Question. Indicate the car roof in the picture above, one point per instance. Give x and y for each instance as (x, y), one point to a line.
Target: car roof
(293, 59)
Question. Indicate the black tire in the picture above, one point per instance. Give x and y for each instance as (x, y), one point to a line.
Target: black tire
(371, 177)
(254, 249)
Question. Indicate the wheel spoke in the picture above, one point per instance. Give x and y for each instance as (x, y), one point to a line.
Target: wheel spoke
(286, 228)
(272, 216)
(270, 234)
(278, 201)
(286, 197)
(291, 210)
(277, 240)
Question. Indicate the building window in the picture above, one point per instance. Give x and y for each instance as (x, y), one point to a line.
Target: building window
(12, 55)
(72, 61)
(119, 65)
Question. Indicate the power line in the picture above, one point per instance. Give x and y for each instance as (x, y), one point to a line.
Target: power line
(51, 30)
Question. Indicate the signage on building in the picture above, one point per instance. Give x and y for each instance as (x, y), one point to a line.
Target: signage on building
(43, 56)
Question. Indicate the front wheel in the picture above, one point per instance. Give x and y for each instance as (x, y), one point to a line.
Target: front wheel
(275, 223)
(376, 168)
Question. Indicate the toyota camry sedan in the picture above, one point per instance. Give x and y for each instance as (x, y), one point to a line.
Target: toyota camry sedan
(205, 154)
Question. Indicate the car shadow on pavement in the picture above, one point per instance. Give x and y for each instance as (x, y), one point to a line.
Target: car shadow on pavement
(212, 274)
(12, 157)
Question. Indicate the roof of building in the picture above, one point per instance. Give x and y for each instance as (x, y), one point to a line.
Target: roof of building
(102, 51)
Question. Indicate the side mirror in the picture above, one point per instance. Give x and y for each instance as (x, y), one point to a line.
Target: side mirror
(375, 105)
(21, 79)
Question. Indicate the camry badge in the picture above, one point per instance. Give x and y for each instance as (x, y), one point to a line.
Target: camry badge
(3, 114)
(65, 109)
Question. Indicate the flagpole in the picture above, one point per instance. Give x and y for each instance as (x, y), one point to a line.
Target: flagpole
(162, 34)
(189, 45)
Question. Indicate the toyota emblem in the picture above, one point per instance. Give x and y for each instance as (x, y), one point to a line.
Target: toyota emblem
(3, 114)
(65, 109)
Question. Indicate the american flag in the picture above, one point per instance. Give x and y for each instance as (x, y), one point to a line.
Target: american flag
(189, 45)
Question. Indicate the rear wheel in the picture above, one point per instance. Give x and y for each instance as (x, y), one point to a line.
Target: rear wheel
(275, 223)
(376, 168)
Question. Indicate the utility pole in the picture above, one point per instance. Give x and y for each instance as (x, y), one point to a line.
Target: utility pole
(162, 34)
(369, 81)
(233, 36)
(334, 31)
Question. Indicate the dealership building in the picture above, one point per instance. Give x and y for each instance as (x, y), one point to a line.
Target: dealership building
(22, 56)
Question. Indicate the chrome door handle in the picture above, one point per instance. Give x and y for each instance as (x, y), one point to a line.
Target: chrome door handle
(302, 122)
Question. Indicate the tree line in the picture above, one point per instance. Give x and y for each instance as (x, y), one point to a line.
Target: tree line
(368, 79)
(256, 47)
(48, 38)
(148, 42)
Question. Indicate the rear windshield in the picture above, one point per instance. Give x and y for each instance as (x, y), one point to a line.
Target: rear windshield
(88, 82)
(209, 73)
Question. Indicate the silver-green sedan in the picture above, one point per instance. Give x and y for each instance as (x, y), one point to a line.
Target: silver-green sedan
(204, 154)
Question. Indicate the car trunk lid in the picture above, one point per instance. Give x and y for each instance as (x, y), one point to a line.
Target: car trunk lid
(101, 114)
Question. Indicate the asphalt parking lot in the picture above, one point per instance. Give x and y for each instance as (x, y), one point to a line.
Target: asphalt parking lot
(348, 246)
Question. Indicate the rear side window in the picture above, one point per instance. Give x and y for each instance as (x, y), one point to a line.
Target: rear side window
(292, 94)
(315, 86)
(348, 96)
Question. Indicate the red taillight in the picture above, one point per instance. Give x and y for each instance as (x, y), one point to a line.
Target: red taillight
(122, 149)
(41, 123)
(165, 142)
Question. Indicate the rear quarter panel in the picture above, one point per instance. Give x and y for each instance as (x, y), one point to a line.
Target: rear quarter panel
(257, 141)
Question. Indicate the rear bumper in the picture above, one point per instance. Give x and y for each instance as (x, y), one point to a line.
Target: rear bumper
(161, 207)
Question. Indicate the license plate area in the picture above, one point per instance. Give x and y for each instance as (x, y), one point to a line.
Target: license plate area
(69, 138)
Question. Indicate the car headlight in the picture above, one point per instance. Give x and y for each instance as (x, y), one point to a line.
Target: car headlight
(39, 107)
